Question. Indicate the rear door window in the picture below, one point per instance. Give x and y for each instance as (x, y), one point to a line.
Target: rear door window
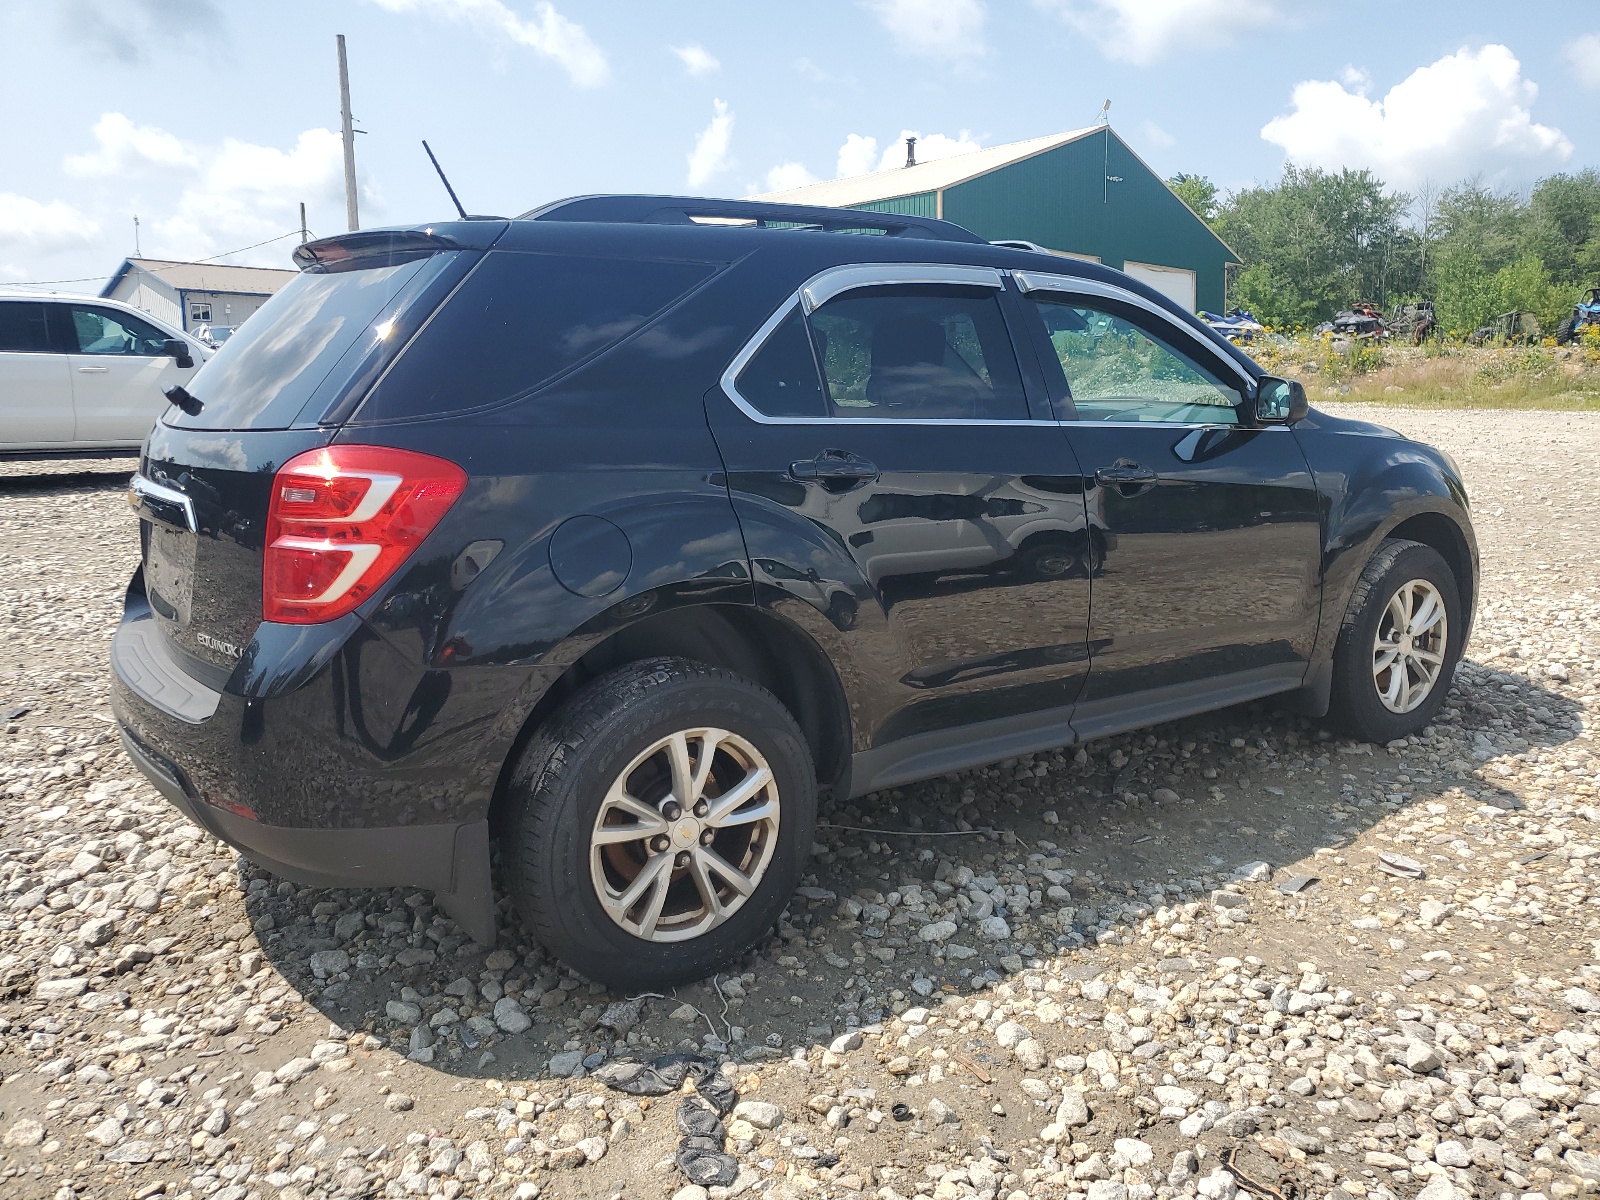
(23, 328)
(519, 321)
(919, 353)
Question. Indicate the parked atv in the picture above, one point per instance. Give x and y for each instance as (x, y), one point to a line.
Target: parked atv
(1415, 321)
(1360, 320)
(1237, 325)
(1511, 328)
(1585, 313)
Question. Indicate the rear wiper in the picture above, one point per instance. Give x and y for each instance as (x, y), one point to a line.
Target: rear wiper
(179, 395)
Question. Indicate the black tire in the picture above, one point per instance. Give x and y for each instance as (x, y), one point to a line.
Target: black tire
(1356, 704)
(1566, 331)
(560, 782)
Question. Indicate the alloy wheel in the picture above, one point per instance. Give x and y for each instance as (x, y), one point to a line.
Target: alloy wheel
(1408, 650)
(684, 835)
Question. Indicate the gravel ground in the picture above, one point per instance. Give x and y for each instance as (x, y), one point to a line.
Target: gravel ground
(1340, 970)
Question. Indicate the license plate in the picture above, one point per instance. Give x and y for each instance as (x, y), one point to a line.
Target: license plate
(169, 573)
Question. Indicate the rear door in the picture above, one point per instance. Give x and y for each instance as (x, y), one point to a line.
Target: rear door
(932, 511)
(118, 371)
(35, 387)
(1209, 585)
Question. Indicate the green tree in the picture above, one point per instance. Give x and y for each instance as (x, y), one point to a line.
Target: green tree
(1317, 241)
(1198, 192)
(1562, 225)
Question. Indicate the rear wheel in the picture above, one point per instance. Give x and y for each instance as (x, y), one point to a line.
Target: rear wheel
(1566, 331)
(1398, 645)
(661, 819)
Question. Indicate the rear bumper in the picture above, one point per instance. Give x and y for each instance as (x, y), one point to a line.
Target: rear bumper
(275, 779)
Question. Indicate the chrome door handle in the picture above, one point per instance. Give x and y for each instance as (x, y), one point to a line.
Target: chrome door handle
(1125, 472)
(835, 467)
(94, 370)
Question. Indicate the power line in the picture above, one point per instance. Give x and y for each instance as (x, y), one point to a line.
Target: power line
(190, 262)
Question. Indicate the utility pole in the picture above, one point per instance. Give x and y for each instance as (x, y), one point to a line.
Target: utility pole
(304, 238)
(350, 212)
(136, 252)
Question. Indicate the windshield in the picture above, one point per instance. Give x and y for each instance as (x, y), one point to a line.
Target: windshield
(273, 364)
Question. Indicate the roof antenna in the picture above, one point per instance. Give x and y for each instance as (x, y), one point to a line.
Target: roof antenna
(911, 152)
(1104, 116)
(443, 180)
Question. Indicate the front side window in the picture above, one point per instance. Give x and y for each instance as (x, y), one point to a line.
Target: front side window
(101, 331)
(23, 327)
(1117, 370)
(918, 353)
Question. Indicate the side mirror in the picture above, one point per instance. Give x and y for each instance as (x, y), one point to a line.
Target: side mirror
(178, 350)
(1280, 401)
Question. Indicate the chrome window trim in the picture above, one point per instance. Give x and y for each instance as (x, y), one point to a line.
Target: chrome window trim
(141, 488)
(848, 279)
(835, 281)
(1040, 281)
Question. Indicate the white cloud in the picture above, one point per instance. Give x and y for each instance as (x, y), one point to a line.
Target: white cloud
(1144, 31)
(547, 32)
(788, 175)
(951, 30)
(1466, 113)
(1584, 57)
(247, 193)
(134, 31)
(710, 154)
(1152, 134)
(31, 225)
(859, 153)
(123, 148)
(696, 59)
(857, 156)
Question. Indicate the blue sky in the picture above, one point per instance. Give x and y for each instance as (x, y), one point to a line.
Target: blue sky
(211, 120)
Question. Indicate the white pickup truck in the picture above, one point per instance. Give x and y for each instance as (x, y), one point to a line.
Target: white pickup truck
(80, 375)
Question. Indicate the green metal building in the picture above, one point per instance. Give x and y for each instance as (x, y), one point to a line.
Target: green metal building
(1084, 194)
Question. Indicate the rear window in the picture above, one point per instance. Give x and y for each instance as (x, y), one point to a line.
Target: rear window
(273, 364)
(23, 328)
(520, 320)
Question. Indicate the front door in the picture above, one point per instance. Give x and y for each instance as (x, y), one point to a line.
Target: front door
(908, 493)
(118, 375)
(35, 387)
(1209, 586)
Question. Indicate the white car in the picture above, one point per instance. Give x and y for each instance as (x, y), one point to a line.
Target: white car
(79, 374)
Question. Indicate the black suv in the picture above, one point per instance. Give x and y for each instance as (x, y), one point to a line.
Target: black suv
(617, 532)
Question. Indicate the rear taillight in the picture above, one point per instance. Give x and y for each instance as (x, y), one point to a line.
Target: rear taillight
(342, 520)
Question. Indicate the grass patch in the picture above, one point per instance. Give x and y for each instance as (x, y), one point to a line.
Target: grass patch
(1508, 377)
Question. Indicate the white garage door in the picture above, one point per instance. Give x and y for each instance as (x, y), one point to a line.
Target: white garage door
(1172, 282)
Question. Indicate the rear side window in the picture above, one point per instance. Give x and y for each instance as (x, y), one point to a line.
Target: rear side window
(518, 321)
(23, 328)
(781, 380)
(266, 372)
(919, 353)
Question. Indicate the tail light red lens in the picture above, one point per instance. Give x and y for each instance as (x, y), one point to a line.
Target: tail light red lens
(342, 520)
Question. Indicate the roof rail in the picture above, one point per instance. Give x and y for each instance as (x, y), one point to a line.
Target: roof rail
(688, 210)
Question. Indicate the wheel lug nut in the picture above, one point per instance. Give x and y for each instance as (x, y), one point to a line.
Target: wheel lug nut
(682, 859)
(708, 837)
(672, 810)
(658, 844)
(701, 809)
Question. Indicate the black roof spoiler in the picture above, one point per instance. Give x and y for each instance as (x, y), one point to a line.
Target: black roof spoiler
(690, 210)
(397, 245)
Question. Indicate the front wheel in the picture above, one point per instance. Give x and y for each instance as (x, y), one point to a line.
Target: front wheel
(1566, 331)
(661, 820)
(1399, 643)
